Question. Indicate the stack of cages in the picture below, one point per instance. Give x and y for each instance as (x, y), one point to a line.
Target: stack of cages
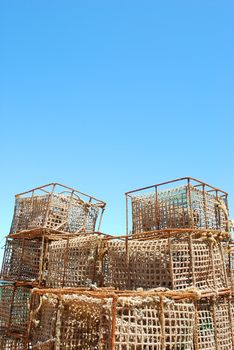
(164, 286)
(42, 217)
(177, 240)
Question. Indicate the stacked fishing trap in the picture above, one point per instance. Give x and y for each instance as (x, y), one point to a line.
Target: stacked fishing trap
(42, 216)
(166, 285)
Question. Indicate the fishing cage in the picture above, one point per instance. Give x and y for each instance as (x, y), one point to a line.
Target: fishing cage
(74, 262)
(176, 262)
(14, 308)
(112, 321)
(12, 343)
(215, 322)
(180, 203)
(57, 207)
(23, 259)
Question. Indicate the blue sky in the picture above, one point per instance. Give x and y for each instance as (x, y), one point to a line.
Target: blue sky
(107, 96)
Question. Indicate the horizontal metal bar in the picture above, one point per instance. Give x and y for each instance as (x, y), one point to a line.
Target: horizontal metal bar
(34, 189)
(61, 185)
(204, 183)
(176, 180)
(157, 185)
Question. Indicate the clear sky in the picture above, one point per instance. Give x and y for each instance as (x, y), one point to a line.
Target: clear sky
(107, 96)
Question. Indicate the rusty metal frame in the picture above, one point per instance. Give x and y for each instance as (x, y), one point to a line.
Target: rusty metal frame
(190, 181)
(58, 188)
(103, 293)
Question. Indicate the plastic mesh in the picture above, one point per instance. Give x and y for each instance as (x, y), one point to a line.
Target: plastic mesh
(171, 209)
(72, 263)
(22, 259)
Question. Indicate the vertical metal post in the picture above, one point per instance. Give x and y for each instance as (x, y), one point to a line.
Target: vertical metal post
(127, 245)
(113, 323)
(162, 324)
(100, 220)
(48, 209)
(190, 203)
(31, 216)
(226, 203)
(126, 215)
(21, 259)
(204, 204)
(69, 205)
(65, 261)
(11, 306)
(218, 212)
(170, 246)
(196, 343)
(41, 264)
(157, 223)
(192, 259)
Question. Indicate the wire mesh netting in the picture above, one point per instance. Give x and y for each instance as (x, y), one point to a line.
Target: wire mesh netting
(14, 308)
(181, 207)
(64, 210)
(98, 323)
(74, 262)
(22, 259)
(172, 263)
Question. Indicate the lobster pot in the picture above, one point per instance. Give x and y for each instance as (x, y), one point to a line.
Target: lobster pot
(11, 343)
(181, 207)
(14, 308)
(22, 259)
(56, 207)
(214, 324)
(106, 323)
(71, 322)
(73, 262)
(172, 263)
